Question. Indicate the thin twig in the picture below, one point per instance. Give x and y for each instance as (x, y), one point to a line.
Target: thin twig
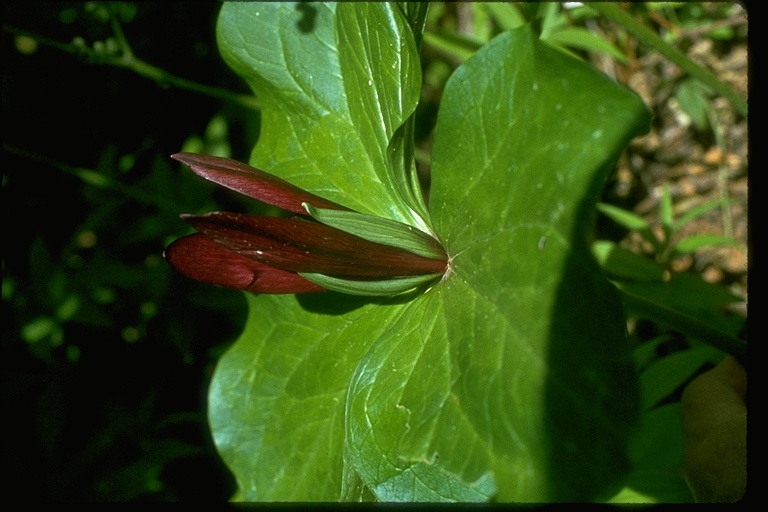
(125, 59)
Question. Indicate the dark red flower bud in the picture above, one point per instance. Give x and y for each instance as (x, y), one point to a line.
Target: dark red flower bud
(253, 182)
(278, 255)
(198, 257)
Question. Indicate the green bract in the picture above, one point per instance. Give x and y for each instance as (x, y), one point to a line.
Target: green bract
(383, 231)
(378, 288)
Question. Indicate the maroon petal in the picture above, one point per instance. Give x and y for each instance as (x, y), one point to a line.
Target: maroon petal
(198, 257)
(253, 183)
(304, 246)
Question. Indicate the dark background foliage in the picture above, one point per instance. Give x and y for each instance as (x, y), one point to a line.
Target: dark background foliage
(106, 353)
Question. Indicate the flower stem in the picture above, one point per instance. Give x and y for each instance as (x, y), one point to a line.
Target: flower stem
(164, 78)
(127, 60)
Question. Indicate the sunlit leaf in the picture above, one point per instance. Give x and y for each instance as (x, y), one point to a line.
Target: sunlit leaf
(495, 382)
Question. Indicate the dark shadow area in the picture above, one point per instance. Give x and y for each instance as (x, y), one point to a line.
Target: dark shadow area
(308, 17)
(592, 396)
(106, 353)
(334, 303)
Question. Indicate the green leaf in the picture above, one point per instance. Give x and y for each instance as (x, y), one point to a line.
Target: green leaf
(647, 352)
(332, 97)
(657, 454)
(276, 403)
(693, 97)
(691, 306)
(623, 217)
(498, 380)
(507, 15)
(696, 212)
(631, 221)
(625, 264)
(695, 242)
(38, 329)
(664, 377)
(666, 214)
(552, 18)
(525, 138)
(582, 38)
(459, 46)
(689, 295)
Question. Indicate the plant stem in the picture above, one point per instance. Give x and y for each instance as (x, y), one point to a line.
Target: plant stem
(164, 78)
(127, 60)
(650, 38)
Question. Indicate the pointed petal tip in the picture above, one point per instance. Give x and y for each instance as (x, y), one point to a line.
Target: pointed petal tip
(253, 182)
(183, 157)
(190, 217)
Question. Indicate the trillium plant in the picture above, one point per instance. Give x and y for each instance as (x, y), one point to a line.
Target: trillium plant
(326, 246)
(464, 348)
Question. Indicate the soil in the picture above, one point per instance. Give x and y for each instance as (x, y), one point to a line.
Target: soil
(699, 164)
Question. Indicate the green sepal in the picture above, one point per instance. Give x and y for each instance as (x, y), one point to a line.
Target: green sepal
(383, 231)
(379, 288)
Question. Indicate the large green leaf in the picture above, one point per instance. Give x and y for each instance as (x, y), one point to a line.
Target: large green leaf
(510, 379)
(335, 89)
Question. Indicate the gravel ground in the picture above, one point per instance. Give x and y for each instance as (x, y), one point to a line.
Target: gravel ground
(698, 164)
